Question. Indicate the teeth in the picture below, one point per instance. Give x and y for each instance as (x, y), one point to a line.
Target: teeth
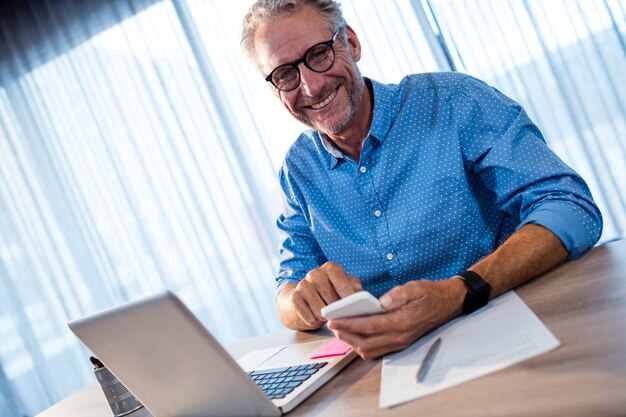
(325, 102)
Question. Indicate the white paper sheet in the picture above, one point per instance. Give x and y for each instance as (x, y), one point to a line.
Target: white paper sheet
(501, 334)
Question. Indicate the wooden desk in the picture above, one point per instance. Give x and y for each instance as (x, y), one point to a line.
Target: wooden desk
(583, 302)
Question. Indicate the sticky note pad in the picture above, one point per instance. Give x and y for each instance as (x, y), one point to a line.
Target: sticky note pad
(333, 348)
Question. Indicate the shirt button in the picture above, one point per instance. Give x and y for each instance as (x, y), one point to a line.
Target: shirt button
(363, 169)
(390, 256)
(378, 213)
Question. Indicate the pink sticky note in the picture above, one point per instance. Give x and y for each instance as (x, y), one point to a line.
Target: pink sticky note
(333, 348)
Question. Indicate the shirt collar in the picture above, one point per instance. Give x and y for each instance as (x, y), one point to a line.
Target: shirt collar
(381, 121)
(330, 147)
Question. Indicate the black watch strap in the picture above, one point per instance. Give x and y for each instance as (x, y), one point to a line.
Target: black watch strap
(477, 291)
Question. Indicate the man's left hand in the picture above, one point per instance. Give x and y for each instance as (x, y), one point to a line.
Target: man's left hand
(413, 309)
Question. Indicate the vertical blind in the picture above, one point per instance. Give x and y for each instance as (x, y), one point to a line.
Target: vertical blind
(138, 150)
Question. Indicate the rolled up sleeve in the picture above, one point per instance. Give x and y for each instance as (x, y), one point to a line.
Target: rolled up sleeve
(531, 183)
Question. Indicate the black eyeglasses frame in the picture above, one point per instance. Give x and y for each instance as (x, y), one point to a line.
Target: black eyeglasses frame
(303, 60)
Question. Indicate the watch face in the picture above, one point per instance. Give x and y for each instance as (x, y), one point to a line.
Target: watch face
(480, 298)
(478, 292)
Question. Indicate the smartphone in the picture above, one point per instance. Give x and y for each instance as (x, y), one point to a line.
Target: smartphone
(361, 303)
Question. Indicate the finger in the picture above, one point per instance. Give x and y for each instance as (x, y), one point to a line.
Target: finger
(308, 303)
(303, 310)
(368, 325)
(322, 285)
(381, 350)
(343, 283)
(354, 340)
(403, 294)
(370, 347)
(356, 284)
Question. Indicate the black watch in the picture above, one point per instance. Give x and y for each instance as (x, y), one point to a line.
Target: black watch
(477, 291)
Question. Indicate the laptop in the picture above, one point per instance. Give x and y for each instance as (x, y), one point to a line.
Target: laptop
(163, 354)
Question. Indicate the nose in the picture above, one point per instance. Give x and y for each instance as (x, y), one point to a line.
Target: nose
(311, 82)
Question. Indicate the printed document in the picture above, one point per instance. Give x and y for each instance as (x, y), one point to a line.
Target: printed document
(501, 334)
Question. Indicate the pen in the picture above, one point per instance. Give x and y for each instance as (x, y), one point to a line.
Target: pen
(428, 360)
(96, 362)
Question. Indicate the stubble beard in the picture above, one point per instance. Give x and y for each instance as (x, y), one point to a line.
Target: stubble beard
(355, 92)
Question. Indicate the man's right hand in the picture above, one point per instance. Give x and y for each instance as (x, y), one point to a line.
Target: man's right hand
(299, 305)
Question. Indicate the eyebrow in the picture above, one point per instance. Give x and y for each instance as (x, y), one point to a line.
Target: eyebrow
(301, 59)
(298, 60)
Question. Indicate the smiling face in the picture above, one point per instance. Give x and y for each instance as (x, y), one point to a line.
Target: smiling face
(329, 102)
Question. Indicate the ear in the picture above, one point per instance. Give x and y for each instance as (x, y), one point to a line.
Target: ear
(353, 43)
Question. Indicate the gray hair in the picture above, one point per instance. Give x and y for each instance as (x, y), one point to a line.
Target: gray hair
(264, 11)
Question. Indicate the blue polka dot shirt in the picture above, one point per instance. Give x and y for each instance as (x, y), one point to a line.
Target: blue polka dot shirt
(450, 168)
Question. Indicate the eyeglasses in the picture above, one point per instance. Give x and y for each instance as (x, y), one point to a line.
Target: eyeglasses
(319, 58)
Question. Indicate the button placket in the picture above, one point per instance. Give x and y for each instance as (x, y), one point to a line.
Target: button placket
(366, 185)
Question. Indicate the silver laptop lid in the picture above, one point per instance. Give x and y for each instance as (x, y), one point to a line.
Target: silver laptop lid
(162, 353)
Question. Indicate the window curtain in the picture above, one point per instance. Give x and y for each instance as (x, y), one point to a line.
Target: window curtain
(138, 152)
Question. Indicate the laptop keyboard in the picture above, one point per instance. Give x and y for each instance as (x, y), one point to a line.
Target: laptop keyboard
(278, 382)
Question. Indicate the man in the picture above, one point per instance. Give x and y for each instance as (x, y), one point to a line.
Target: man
(433, 194)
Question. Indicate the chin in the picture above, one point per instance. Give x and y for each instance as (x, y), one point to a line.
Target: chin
(332, 125)
(335, 128)
(329, 126)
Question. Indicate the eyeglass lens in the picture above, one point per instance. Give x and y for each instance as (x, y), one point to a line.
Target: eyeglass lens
(318, 58)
